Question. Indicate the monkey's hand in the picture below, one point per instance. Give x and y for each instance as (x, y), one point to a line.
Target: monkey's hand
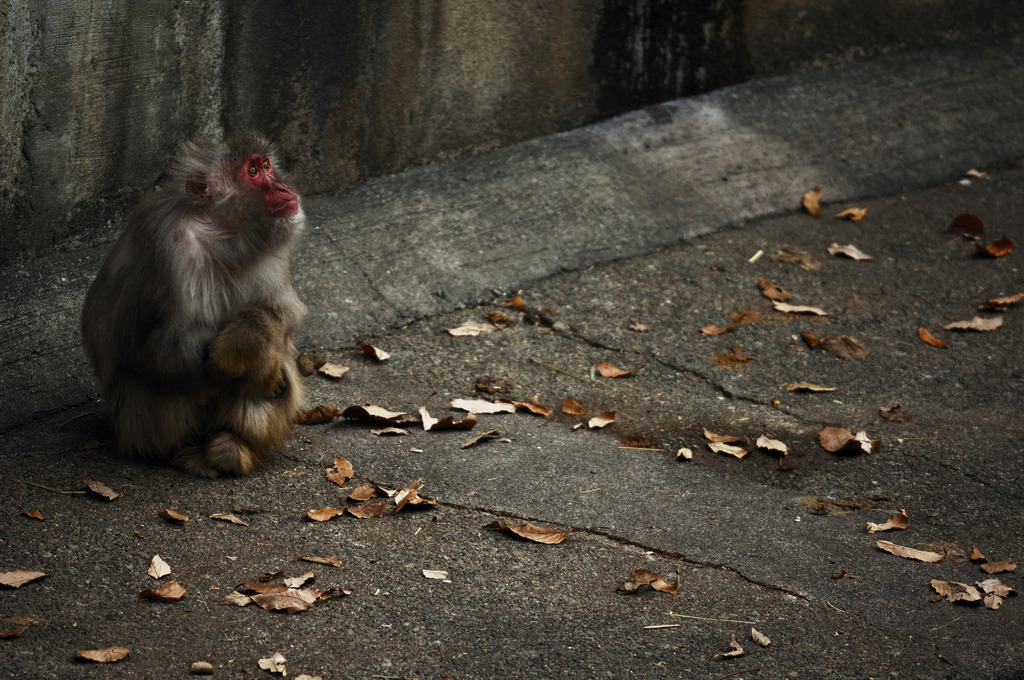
(248, 352)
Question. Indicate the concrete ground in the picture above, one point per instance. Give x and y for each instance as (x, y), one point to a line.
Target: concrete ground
(623, 240)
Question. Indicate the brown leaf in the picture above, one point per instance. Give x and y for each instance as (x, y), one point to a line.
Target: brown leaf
(730, 449)
(803, 259)
(849, 251)
(608, 371)
(481, 406)
(329, 561)
(997, 248)
(834, 439)
(643, 577)
(448, 422)
(898, 521)
(275, 664)
(19, 620)
(764, 442)
(734, 644)
(335, 371)
(390, 432)
(492, 385)
(299, 581)
(408, 496)
(532, 533)
(909, 553)
(639, 327)
(1001, 304)
(773, 292)
(798, 309)
(845, 347)
(101, 490)
(896, 414)
(712, 329)
(363, 493)
(105, 655)
(377, 352)
(375, 414)
(368, 510)
(19, 577)
(435, 574)
(228, 517)
(811, 340)
(759, 637)
(324, 514)
(811, 201)
(290, 600)
(173, 515)
(11, 633)
(341, 472)
(995, 590)
(534, 408)
(976, 324)
(573, 408)
(967, 223)
(172, 591)
(158, 568)
(923, 333)
(721, 438)
(235, 599)
(735, 358)
(956, 592)
(317, 416)
(685, 453)
(500, 319)
(517, 303)
(808, 387)
(201, 668)
(470, 328)
(853, 214)
(637, 441)
(977, 555)
(34, 514)
(999, 567)
(603, 419)
(490, 434)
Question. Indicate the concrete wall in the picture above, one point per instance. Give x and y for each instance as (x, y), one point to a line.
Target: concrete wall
(95, 95)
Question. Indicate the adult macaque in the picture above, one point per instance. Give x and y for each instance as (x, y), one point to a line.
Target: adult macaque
(189, 322)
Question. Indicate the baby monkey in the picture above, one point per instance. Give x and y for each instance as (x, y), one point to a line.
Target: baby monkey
(189, 322)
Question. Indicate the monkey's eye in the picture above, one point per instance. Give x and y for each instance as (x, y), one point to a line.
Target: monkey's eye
(253, 170)
(266, 164)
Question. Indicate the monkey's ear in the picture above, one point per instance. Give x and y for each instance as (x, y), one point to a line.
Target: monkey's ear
(196, 185)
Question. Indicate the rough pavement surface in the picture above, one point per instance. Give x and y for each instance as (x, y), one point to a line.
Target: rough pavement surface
(776, 543)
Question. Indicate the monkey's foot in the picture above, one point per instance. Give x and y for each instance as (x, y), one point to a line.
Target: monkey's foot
(192, 460)
(229, 454)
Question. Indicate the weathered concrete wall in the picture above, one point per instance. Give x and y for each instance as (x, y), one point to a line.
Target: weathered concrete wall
(96, 95)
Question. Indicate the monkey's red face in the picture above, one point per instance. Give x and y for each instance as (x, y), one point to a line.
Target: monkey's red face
(280, 200)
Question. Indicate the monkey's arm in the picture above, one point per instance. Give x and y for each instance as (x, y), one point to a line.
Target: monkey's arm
(249, 351)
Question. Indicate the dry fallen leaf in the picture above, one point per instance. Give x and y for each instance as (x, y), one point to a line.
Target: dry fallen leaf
(299, 581)
(956, 592)
(471, 328)
(19, 620)
(602, 419)
(923, 333)
(811, 201)
(489, 434)
(375, 414)
(999, 567)
(685, 453)
(409, 496)
(534, 408)
(974, 174)
(803, 259)
(173, 515)
(732, 450)
(34, 514)
(834, 439)
(772, 291)
(808, 387)
(172, 591)
(341, 472)
(435, 574)
(721, 438)
(201, 668)
(712, 329)
(898, 521)
(377, 352)
(609, 371)
(531, 532)
(275, 663)
(995, 590)
(798, 309)
(853, 214)
(368, 510)
(330, 370)
(235, 599)
(158, 568)
(390, 432)
(492, 385)
(101, 490)
(363, 493)
(481, 406)
(997, 248)
(1001, 304)
(735, 358)
(967, 223)
(290, 600)
(909, 553)
(19, 577)
(105, 655)
(517, 303)
(849, 251)
(329, 561)
(639, 327)
(11, 633)
(736, 650)
(643, 577)
(317, 416)
(228, 517)
(764, 442)
(976, 324)
(977, 555)
(447, 422)
(845, 347)
(324, 514)
(759, 637)
(573, 408)
(896, 414)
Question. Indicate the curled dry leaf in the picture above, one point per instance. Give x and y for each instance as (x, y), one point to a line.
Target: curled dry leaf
(896, 414)
(531, 532)
(609, 371)
(772, 291)
(850, 251)
(34, 514)
(363, 493)
(492, 385)
(735, 358)
(852, 214)
(999, 567)
(101, 490)
(19, 620)
(812, 200)
(639, 327)
(1001, 304)
(736, 650)
(967, 223)
(105, 655)
(720, 438)
(235, 599)
(372, 413)
(998, 248)
(731, 449)
(158, 568)
(923, 333)
(471, 328)
(573, 408)
(846, 347)
(995, 590)
(335, 371)
(956, 592)
(801, 258)
(974, 174)
(329, 561)
(299, 581)
(172, 591)
(534, 408)
(317, 416)
(643, 577)
(834, 439)
(446, 423)
(685, 453)
(368, 510)
(602, 419)
(290, 600)
(11, 633)
(759, 637)
(201, 668)
(798, 309)
(341, 472)
(977, 555)
(19, 577)
(808, 387)
(517, 303)
(976, 324)
(409, 496)
(172, 515)
(390, 432)
(324, 514)
(712, 329)
(377, 352)
(764, 442)
(275, 663)
(490, 434)
(481, 406)
(909, 553)
(435, 574)
(228, 517)
(898, 521)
